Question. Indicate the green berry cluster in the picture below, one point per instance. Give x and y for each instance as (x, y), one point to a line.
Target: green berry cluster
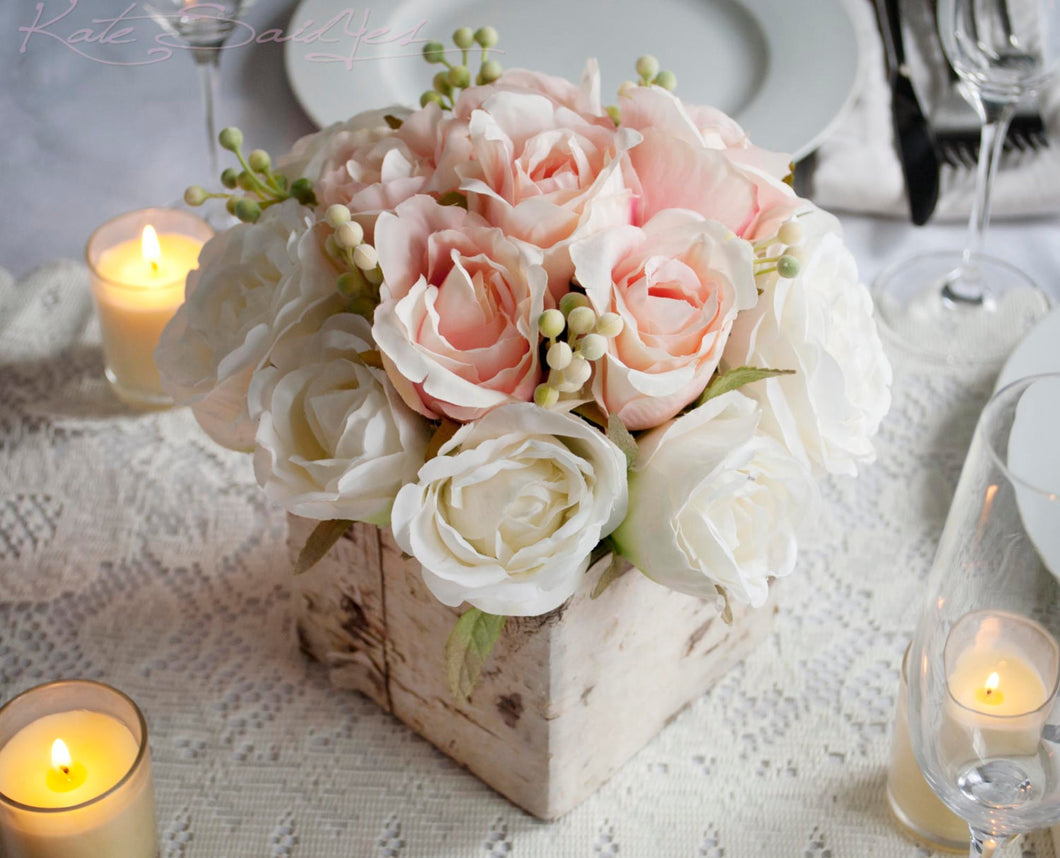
(255, 187)
(570, 358)
(447, 84)
(360, 282)
(788, 262)
(648, 74)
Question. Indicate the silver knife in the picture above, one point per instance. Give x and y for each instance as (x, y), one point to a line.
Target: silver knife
(916, 143)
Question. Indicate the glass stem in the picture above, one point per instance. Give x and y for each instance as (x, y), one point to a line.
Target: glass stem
(967, 286)
(984, 845)
(991, 143)
(208, 65)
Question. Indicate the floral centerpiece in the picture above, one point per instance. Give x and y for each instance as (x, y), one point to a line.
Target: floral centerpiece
(526, 331)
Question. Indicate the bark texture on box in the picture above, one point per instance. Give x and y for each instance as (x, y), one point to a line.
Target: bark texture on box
(565, 699)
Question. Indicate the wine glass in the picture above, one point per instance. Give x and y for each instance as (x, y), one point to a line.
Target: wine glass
(204, 25)
(967, 307)
(984, 662)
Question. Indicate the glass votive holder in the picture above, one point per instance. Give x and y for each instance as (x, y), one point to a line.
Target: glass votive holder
(138, 263)
(1001, 673)
(913, 802)
(75, 774)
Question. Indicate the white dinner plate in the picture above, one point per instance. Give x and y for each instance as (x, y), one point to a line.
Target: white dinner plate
(1031, 432)
(1037, 352)
(784, 69)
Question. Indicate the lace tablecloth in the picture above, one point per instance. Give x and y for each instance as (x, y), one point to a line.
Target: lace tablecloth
(135, 551)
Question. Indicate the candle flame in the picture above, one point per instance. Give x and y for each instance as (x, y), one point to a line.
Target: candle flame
(992, 682)
(61, 756)
(149, 246)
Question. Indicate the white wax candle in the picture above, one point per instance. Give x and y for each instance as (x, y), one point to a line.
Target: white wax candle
(1001, 670)
(95, 803)
(138, 289)
(139, 262)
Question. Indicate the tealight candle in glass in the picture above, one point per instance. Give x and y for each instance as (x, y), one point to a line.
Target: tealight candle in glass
(1001, 670)
(138, 263)
(75, 775)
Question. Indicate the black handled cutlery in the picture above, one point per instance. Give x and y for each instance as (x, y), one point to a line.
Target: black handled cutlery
(916, 143)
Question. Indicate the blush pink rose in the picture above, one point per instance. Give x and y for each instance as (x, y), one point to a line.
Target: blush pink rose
(545, 173)
(584, 98)
(678, 283)
(370, 167)
(457, 325)
(698, 158)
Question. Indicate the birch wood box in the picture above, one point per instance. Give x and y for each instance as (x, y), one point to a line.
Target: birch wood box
(564, 700)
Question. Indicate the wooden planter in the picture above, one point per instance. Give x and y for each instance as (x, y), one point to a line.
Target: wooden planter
(565, 698)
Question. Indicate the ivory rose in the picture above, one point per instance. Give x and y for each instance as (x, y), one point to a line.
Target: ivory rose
(457, 325)
(254, 283)
(334, 439)
(677, 283)
(714, 503)
(820, 325)
(506, 516)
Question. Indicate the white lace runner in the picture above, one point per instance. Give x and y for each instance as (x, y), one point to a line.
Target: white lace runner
(134, 550)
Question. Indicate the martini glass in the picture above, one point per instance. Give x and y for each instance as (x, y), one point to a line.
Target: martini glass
(965, 307)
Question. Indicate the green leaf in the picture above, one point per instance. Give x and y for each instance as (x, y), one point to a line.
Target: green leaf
(735, 378)
(615, 570)
(620, 436)
(320, 541)
(393, 121)
(467, 649)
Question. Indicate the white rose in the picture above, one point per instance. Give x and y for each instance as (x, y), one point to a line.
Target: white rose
(254, 283)
(714, 503)
(820, 325)
(506, 515)
(334, 439)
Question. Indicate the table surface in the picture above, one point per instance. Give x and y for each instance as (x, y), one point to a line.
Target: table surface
(134, 551)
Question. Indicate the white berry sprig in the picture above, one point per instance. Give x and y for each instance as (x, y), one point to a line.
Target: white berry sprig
(788, 262)
(576, 337)
(360, 282)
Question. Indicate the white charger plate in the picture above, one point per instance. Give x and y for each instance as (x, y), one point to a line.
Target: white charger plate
(785, 70)
(1032, 433)
(1036, 353)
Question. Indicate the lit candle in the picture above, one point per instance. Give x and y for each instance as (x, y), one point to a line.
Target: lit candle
(75, 775)
(139, 262)
(1001, 671)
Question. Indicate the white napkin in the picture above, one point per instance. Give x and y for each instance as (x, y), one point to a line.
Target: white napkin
(857, 167)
